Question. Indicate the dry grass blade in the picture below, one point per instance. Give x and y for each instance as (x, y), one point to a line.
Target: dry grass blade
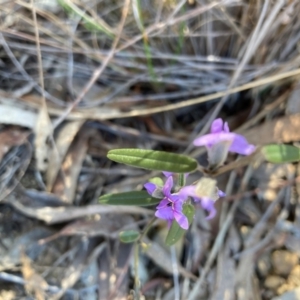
(43, 127)
(163, 259)
(101, 225)
(17, 116)
(66, 182)
(57, 154)
(13, 168)
(226, 269)
(43, 130)
(54, 215)
(98, 71)
(199, 100)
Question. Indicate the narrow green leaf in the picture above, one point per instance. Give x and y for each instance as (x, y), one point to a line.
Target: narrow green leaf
(176, 232)
(281, 153)
(141, 198)
(154, 160)
(129, 236)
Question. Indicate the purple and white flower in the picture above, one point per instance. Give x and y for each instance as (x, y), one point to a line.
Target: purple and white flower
(170, 207)
(207, 202)
(220, 133)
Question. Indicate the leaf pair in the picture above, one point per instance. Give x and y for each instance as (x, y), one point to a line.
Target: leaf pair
(151, 160)
(157, 161)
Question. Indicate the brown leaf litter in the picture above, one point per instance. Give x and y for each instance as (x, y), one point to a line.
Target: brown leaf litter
(167, 69)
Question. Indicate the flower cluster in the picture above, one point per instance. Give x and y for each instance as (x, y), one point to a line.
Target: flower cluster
(170, 207)
(218, 142)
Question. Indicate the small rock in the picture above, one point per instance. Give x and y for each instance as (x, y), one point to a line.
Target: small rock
(283, 289)
(291, 295)
(245, 231)
(292, 282)
(264, 265)
(294, 277)
(283, 262)
(273, 282)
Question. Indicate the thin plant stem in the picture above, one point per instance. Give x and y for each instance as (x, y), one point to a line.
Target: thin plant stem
(137, 285)
(136, 270)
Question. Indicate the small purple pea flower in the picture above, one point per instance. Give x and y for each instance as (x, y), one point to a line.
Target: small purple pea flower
(206, 200)
(205, 193)
(170, 207)
(220, 140)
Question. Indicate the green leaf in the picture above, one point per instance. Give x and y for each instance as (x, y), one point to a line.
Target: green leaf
(176, 232)
(281, 153)
(141, 198)
(129, 236)
(154, 160)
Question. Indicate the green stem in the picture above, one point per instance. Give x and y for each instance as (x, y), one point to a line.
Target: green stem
(136, 271)
(136, 258)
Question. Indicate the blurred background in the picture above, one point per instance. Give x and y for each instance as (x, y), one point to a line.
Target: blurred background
(79, 78)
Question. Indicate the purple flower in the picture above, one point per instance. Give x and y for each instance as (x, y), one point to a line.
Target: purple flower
(207, 200)
(205, 193)
(170, 207)
(220, 133)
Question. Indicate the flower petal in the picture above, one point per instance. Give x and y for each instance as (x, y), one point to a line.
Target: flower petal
(178, 206)
(165, 213)
(150, 187)
(179, 216)
(175, 198)
(221, 194)
(226, 127)
(187, 191)
(216, 126)
(211, 213)
(219, 132)
(211, 139)
(197, 199)
(167, 174)
(241, 146)
(218, 153)
(181, 220)
(208, 205)
(168, 186)
(163, 203)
